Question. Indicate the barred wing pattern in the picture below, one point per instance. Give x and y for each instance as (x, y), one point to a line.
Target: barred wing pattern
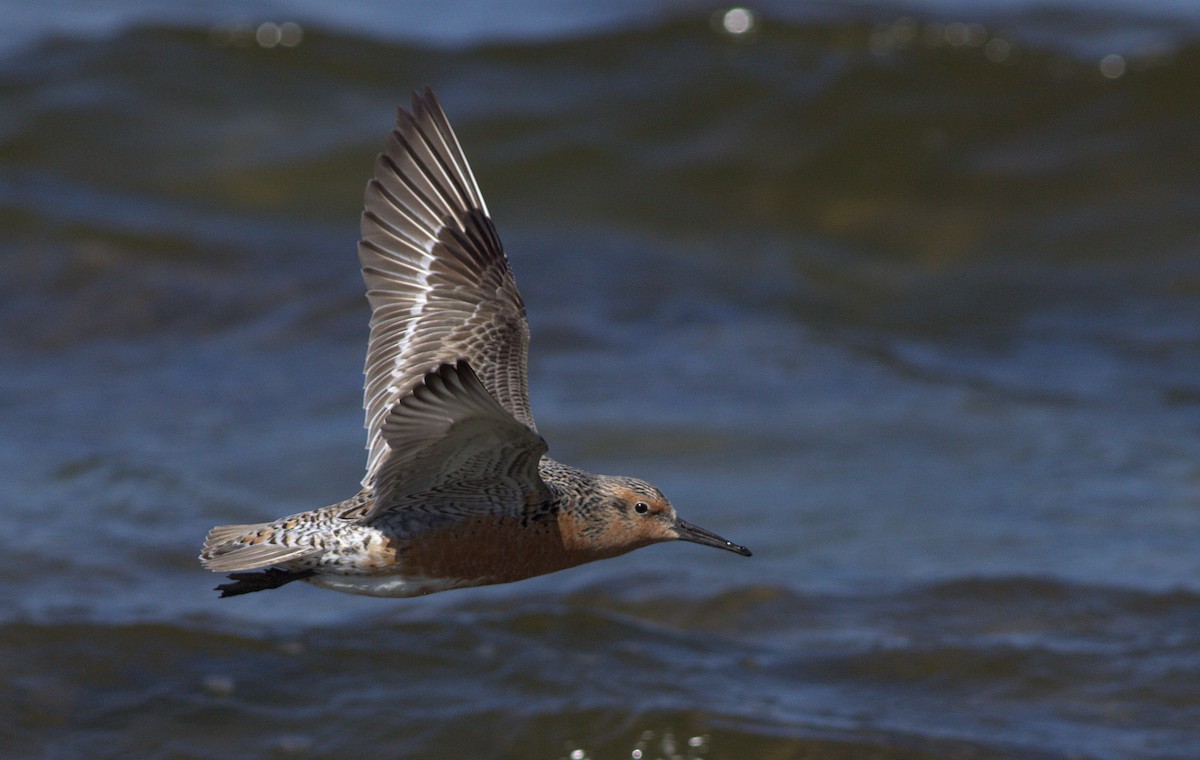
(437, 278)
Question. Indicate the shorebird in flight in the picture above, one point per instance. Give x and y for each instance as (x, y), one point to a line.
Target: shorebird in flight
(458, 491)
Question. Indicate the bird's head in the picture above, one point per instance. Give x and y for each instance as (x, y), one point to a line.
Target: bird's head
(628, 513)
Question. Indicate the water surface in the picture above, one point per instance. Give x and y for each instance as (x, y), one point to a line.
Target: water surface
(904, 298)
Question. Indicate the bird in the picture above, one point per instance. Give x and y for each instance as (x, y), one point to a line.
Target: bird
(459, 490)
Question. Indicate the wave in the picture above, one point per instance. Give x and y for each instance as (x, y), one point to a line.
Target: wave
(921, 149)
(749, 670)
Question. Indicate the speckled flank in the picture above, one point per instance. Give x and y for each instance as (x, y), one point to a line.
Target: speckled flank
(458, 489)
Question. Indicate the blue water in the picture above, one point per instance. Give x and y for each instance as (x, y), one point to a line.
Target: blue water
(913, 314)
(468, 22)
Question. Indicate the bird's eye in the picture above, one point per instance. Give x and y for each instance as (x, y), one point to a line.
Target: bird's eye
(641, 507)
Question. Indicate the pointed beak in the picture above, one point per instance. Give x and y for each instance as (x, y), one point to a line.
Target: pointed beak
(698, 535)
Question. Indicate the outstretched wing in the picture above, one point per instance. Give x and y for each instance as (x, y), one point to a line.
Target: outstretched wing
(437, 278)
(458, 452)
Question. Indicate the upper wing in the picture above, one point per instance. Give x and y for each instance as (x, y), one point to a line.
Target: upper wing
(437, 278)
(459, 451)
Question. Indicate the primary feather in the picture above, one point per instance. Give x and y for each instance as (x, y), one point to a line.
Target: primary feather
(437, 278)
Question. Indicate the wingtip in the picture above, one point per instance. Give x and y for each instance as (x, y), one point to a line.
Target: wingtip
(424, 100)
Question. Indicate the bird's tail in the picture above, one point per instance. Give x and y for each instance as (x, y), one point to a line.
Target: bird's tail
(228, 548)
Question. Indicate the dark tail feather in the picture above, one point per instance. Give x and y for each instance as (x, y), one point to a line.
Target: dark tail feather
(261, 580)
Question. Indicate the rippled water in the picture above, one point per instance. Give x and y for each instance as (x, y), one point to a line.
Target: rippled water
(905, 299)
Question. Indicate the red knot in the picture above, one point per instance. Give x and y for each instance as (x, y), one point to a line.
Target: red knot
(458, 491)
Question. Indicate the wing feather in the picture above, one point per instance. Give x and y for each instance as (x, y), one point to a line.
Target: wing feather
(437, 278)
(458, 451)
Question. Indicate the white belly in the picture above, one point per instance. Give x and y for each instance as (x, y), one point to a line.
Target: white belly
(386, 585)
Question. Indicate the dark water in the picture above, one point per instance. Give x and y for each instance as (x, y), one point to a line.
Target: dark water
(906, 299)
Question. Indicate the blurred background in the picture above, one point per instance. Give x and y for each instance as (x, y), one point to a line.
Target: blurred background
(903, 296)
